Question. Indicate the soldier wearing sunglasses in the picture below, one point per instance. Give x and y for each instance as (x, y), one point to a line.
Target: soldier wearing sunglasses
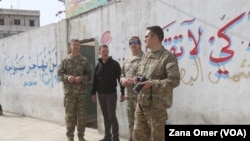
(129, 70)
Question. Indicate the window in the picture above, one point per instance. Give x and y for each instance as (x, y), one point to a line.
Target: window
(32, 23)
(1, 21)
(17, 22)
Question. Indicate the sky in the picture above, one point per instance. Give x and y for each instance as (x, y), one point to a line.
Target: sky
(48, 8)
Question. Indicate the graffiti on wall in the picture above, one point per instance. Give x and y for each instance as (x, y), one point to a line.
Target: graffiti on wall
(220, 56)
(39, 69)
(190, 42)
(76, 7)
(33, 70)
(106, 37)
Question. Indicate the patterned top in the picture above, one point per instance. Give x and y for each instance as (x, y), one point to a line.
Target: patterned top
(129, 70)
(76, 66)
(162, 69)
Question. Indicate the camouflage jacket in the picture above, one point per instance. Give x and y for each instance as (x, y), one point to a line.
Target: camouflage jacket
(129, 70)
(76, 66)
(162, 69)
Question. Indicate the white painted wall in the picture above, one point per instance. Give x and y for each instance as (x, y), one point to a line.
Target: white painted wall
(28, 72)
(209, 28)
(211, 39)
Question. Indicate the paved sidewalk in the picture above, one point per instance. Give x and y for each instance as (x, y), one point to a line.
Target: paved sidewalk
(20, 128)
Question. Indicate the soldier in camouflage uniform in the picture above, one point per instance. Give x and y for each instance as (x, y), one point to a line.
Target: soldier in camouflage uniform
(161, 69)
(129, 69)
(74, 72)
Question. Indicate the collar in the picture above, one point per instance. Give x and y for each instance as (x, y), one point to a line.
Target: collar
(157, 53)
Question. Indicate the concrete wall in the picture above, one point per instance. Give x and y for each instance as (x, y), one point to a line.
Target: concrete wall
(210, 38)
(29, 83)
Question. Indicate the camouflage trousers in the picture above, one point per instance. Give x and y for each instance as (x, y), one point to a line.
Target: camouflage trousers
(131, 104)
(75, 114)
(149, 124)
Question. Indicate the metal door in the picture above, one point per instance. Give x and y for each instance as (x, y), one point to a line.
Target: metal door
(88, 50)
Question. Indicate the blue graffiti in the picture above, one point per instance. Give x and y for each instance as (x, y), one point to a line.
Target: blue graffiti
(42, 68)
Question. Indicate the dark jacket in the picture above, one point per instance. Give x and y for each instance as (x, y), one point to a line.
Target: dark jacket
(106, 77)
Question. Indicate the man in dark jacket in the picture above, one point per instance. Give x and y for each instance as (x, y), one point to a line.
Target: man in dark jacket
(107, 74)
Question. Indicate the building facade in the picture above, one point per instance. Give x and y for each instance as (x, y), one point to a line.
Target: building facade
(210, 39)
(14, 21)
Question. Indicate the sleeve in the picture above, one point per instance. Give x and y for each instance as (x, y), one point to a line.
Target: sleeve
(94, 86)
(172, 72)
(141, 66)
(61, 72)
(123, 72)
(122, 88)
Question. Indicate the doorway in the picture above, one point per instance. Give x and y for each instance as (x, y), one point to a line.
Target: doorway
(88, 50)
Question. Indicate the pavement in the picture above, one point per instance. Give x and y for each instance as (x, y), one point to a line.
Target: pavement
(21, 128)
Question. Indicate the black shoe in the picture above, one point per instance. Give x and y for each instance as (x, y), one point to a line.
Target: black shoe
(1, 110)
(105, 139)
(116, 139)
(81, 139)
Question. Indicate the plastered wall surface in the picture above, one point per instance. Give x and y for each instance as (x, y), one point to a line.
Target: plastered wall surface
(209, 37)
(29, 83)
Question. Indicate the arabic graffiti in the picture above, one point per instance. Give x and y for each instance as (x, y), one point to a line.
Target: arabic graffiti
(37, 69)
(222, 50)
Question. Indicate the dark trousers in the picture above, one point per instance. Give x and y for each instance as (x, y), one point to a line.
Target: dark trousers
(108, 106)
(1, 110)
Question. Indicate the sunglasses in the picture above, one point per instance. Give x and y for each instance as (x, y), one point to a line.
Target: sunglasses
(135, 42)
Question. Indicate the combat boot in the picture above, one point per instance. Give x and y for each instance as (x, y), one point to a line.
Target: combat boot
(70, 139)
